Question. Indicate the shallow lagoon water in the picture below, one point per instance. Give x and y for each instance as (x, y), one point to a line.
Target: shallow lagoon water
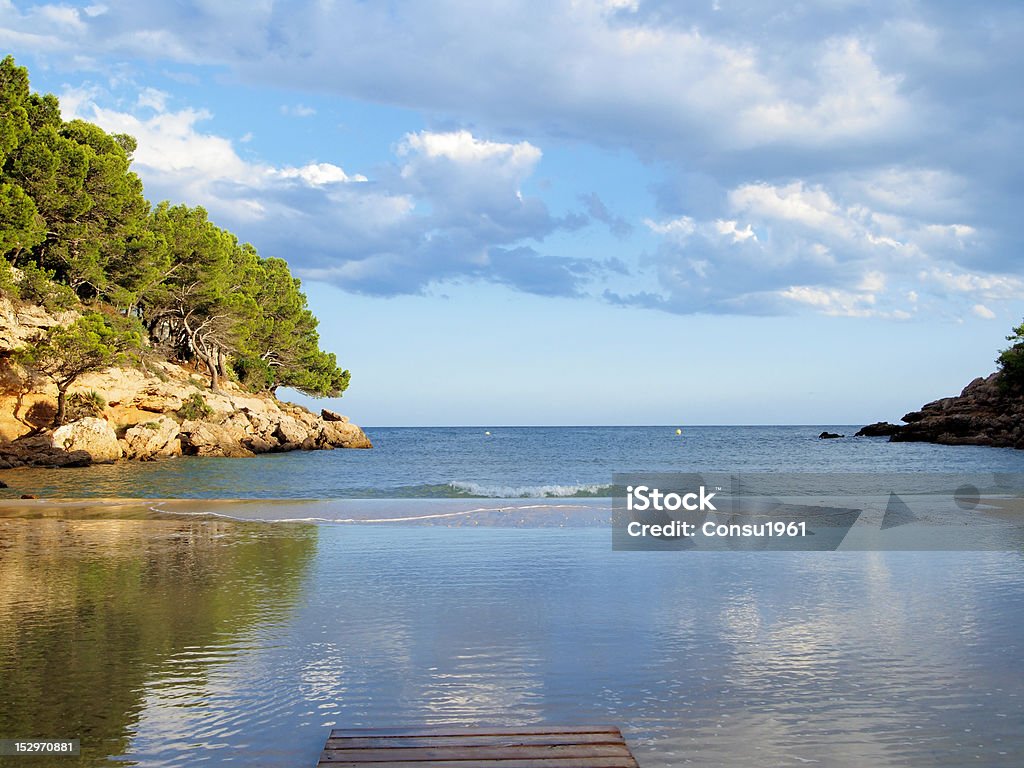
(198, 641)
(169, 633)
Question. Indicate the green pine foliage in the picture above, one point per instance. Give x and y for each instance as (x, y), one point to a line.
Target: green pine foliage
(75, 227)
(1011, 362)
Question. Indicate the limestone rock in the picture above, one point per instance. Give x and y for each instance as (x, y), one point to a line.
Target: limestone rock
(341, 434)
(328, 415)
(21, 324)
(829, 436)
(290, 430)
(204, 438)
(38, 451)
(94, 436)
(152, 440)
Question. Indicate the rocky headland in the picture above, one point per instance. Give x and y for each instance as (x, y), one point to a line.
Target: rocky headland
(156, 410)
(986, 412)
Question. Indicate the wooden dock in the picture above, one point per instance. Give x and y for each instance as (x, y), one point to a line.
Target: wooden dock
(577, 746)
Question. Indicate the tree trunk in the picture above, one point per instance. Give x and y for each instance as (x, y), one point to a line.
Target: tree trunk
(222, 363)
(214, 373)
(62, 407)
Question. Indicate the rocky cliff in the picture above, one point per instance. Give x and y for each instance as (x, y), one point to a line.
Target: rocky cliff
(162, 411)
(983, 414)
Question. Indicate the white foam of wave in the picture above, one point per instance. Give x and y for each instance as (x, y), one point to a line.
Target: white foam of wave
(529, 491)
(236, 516)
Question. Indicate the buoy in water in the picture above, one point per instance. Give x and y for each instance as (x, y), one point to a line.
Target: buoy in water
(487, 433)
(679, 431)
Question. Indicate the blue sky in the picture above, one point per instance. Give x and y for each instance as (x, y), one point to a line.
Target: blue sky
(591, 211)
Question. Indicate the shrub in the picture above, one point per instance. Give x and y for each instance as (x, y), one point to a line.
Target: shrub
(195, 408)
(83, 404)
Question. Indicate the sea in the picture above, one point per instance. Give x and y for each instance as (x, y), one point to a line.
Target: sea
(233, 611)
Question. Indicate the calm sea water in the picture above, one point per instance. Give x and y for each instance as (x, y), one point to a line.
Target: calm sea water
(432, 462)
(170, 641)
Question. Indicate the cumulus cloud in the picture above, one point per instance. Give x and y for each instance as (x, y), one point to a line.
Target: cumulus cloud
(449, 206)
(611, 72)
(826, 157)
(799, 246)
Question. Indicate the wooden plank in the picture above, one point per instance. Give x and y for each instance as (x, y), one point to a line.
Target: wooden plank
(456, 730)
(426, 754)
(536, 746)
(593, 762)
(473, 739)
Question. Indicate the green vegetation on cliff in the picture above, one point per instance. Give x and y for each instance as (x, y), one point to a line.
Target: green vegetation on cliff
(76, 229)
(1011, 362)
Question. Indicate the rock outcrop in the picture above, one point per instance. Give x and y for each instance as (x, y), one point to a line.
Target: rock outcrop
(343, 434)
(878, 429)
(158, 411)
(38, 451)
(830, 436)
(152, 440)
(93, 436)
(983, 414)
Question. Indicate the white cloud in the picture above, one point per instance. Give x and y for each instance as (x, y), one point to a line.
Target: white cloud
(851, 99)
(990, 287)
(731, 229)
(318, 174)
(873, 281)
(601, 70)
(872, 159)
(463, 147)
(448, 207)
(177, 159)
(61, 15)
(810, 206)
(680, 228)
(153, 98)
(822, 247)
(983, 312)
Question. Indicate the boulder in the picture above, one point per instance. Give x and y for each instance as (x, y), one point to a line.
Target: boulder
(204, 438)
(261, 426)
(829, 436)
(38, 451)
(94, 436)
(342, 434)
(153, 439)
(290, 430)
(155, 403)
(328, 415)
(878, 429)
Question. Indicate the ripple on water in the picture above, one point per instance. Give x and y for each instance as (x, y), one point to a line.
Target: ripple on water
(184, 642)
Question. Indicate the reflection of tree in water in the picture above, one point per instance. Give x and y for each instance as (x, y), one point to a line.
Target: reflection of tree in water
(91, 609)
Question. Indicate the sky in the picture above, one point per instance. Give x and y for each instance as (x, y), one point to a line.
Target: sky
(590, 211)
